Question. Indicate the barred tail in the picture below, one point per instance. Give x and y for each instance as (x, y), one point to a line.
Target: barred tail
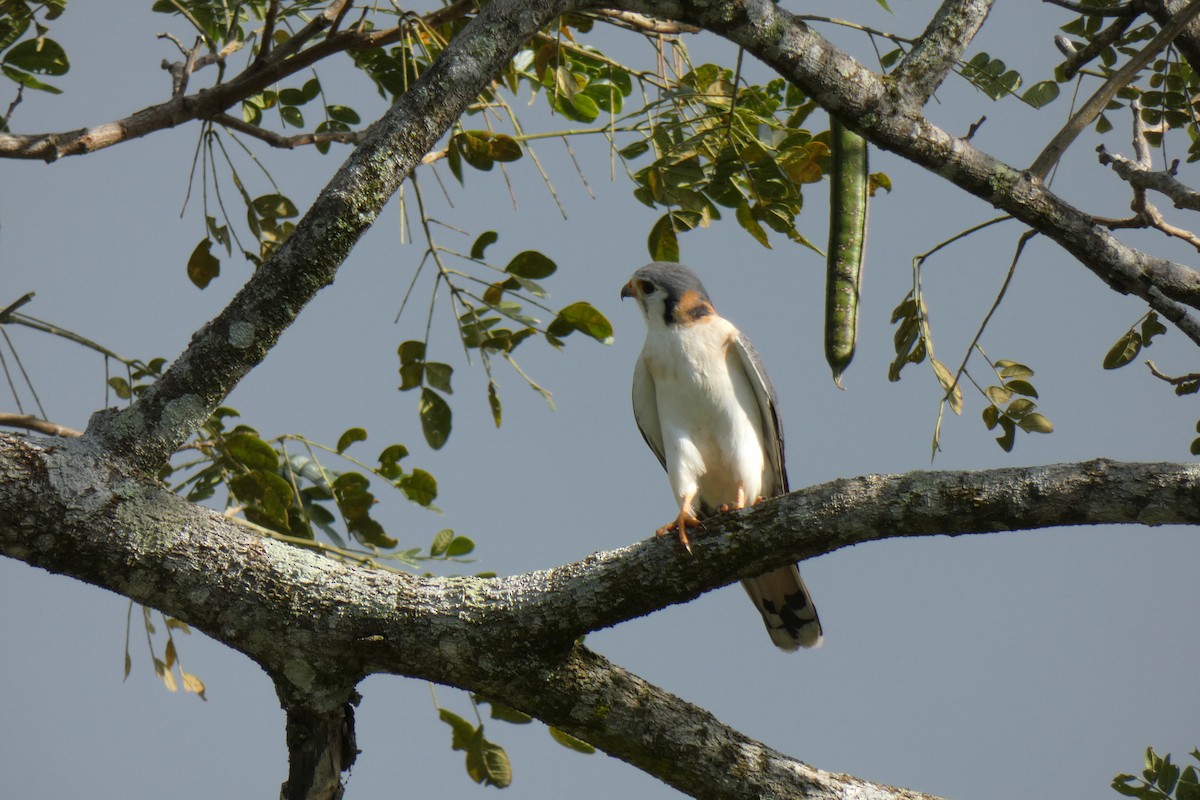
(787, 610)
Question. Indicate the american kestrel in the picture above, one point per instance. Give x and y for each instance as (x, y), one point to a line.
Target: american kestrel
(706, 407)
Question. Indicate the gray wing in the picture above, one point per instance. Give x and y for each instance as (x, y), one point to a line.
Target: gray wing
(767, 404)
(780, 595)
(645, 410)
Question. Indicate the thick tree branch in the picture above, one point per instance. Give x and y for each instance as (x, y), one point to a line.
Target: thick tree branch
(571, 694)
(319, 626)
(939, 48)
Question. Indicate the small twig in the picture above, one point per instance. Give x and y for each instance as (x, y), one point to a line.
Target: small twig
(12, 107)
(287, 142)
(6, 313)
(268, 33)
(1190, 378)
(1025, 237)
(32, 423)
(1095, 11)
(975, 126)
(640, 22)
(856, 26)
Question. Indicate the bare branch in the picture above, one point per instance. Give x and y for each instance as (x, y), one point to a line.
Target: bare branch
(643, 23)
(1097, 11)
(1164, 181)
(288, 142)
(31, 423)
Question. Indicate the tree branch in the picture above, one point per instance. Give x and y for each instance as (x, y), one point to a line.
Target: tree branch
(1142, 177)
(939, 48)
(513, 638)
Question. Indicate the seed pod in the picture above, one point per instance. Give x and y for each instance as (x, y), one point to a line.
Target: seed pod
(847, 237)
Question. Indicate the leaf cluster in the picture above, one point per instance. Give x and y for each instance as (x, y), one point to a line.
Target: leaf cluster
(1161, 779)
(26, 51)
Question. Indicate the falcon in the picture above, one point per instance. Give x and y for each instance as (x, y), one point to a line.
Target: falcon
(706, 407)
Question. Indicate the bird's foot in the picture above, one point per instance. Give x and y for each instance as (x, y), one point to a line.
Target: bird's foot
(685, 520)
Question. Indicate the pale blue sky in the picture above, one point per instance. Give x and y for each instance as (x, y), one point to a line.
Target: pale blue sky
(1015, 665)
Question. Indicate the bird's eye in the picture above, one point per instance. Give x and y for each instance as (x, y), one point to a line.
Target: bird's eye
(646, 286)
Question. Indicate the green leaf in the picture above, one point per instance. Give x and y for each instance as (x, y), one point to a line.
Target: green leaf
(662, 242)
(991, 416)
(435, 418)
(202, 265)
(998, 395)
(460, 546)
(40, 56)
(1012, 369)
(532, 265)
(291, 116)
(487, 763)
(570, 742)
(494, 402)
(27, 80)
(485, 239)
(274, 206)
(946, 379)
(745, 218)
(411, 351)
(461, 730)
(292, 97)
(419, 486)
(1124, 351)
(1035, 423)
(440, 542)
(343, 114)
(438, 376)
(631, 151)
(1009, 437)
(1021, 387)
(351, 436)
(1041, 94)
(250, 451)
(121, 388)
(505, 713)
(584, 318)
(1151, 327)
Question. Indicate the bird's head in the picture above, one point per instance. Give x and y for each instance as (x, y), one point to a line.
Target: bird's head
(669, 292)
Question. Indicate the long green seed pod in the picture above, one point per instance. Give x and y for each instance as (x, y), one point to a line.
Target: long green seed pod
(847, 238)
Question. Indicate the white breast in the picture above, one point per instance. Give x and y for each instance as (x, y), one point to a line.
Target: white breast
(711, 423)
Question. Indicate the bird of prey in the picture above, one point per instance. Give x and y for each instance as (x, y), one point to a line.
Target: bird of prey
(706, 407)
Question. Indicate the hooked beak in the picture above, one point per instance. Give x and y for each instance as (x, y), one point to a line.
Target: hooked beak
(628, 291)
